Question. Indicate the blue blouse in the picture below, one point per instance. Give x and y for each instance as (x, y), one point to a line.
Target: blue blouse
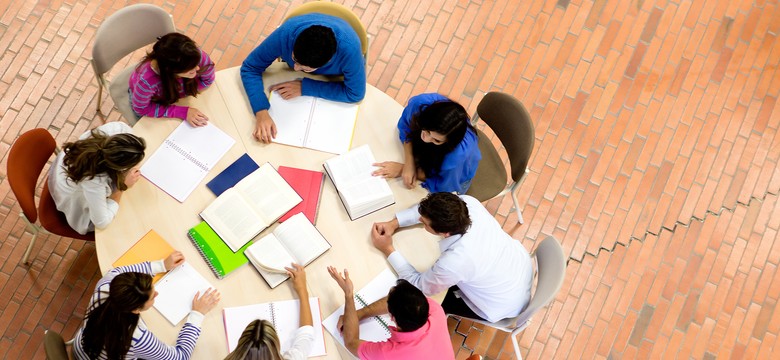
(459, 166)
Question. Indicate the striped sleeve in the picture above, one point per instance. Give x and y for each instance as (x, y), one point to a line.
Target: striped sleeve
(206, 78)
(148, 346)
(145, 86)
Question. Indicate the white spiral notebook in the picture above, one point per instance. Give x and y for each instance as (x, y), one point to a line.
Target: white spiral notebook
(185, 157)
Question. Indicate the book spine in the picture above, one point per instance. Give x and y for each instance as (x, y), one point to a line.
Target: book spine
(186, 155)
(377, 318)
(192, 234)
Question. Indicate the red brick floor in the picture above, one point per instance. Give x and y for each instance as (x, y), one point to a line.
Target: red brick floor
(656, 162)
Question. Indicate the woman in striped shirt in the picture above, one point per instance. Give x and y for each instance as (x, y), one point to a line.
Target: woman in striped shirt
(175, 68)
(112, 328)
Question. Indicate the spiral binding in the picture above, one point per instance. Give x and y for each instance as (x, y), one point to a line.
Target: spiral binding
(186, 155)
(209, 261)
(377, 318)
(273, 314)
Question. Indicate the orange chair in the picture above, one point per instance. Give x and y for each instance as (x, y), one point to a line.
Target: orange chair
(26, 159)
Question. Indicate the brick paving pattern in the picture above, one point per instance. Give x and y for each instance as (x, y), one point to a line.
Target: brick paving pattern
(656, 162)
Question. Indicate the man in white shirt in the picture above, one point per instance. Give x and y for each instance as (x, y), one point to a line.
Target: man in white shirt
(488, 274)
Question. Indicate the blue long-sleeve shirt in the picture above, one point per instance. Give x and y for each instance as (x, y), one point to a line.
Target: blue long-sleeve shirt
(459, 165)
(347, 61)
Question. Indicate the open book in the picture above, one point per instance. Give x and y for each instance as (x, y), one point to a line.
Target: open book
(285, 315)
(360, 192)
(244, 210)
(293, 241)
(375, 328)
(314, 123)
(176, 290)
(185, 157)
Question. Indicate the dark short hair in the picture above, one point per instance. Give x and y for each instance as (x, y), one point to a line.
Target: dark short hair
(314, 46)
(447, 213)
(408, 305)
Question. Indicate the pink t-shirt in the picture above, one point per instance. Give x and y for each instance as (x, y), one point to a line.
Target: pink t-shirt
(431, 341)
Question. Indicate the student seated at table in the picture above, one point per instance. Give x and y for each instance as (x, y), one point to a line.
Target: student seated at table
(312, 43)
(259, 339)
(486, 273)
(89, 175)
(112, 328)
(421, 325)
(175, 68)
(440, 146)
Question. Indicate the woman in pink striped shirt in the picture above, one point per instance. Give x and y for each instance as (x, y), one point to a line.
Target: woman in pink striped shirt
(175, 68)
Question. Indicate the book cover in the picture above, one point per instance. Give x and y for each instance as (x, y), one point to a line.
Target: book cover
(308, 184)
(229, 177)
(151, 247)
(215, 252)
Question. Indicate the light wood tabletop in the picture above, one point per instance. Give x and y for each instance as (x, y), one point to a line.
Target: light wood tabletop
(145, 207)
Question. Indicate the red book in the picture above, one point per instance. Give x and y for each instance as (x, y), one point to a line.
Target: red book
(308, 184)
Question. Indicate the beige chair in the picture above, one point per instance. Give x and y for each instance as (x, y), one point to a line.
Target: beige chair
(550, 271)
(55, 346)
(333, 9)
(510, 121)
(125, 31)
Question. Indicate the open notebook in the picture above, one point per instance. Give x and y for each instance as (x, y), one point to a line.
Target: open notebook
(285, 315)
(185, 157)
(371, 329)
(176, 290)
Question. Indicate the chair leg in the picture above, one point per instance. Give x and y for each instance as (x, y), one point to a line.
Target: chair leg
(99, 97)
(29, 247)
(517, 208)
(515, 344)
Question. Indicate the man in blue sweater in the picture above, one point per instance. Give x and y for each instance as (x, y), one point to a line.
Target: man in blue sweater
(312, 43)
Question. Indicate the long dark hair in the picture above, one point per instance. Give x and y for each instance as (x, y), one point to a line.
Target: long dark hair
(110, 325)
(259, 341)
(103, 154)
(175, 53)
(444, 117)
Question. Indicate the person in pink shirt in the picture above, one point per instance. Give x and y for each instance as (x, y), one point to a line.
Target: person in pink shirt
(421, 325)
(175, 68)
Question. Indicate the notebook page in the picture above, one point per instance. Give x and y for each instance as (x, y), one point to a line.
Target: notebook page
(176, 290)
(268, 194)
(237, 318)
(206, 143)
(291, 118)
(301, 239)
(332, 125)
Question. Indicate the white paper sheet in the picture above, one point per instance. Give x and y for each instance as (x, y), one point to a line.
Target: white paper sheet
(176, 290)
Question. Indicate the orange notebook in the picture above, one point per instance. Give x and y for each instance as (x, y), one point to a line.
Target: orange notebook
(308, 185)
(151, 247)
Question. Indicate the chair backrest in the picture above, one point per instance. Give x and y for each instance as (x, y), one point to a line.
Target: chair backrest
(127, 30)
(509, 119)
(337, 10)
(551, 269)
(26, 159)
(54, 346)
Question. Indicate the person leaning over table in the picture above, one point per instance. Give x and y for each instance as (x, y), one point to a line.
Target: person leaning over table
(312, 43)
(486, 273)
(421, 325)
(112, 328)
(441, 148)
(259, 339)
(176, 67)
(89, 175)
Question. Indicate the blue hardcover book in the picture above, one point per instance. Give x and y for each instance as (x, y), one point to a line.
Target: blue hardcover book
(238, 170)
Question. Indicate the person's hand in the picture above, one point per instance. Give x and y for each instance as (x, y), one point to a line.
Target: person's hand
(265, 128)
(288, 89)
(409, 174)
(388, 169)
(298, 275)
(382, 238)
(196, 118)
(345, 283)
(204, 304)
(388, 227)
(132, 177)
(173, 260)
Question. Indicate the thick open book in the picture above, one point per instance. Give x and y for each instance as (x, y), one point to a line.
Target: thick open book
(293, 241)
(185, 157)
(375, 328)
(285, 315)
(360, 192)
(314, 123)
(176, 290)
(243, 211)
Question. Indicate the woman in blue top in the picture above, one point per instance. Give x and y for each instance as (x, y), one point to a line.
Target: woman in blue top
(440, 146)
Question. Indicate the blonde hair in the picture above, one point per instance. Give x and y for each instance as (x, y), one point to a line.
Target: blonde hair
(258, 342)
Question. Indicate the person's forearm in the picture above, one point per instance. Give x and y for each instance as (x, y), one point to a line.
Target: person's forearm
(303, 296)
(408, 154)
(376, 308)
(351, 331)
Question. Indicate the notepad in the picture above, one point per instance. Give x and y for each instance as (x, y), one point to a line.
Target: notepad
(375, 328)
(314, 123)
(308, 184)
(185, 157)
(151, 247)
(234, 173)
(215, 252)
(359, 191)
(176, 290)
(243, 211)
(284, 315)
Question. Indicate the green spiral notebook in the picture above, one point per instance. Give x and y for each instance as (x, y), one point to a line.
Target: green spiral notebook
(217, 254)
